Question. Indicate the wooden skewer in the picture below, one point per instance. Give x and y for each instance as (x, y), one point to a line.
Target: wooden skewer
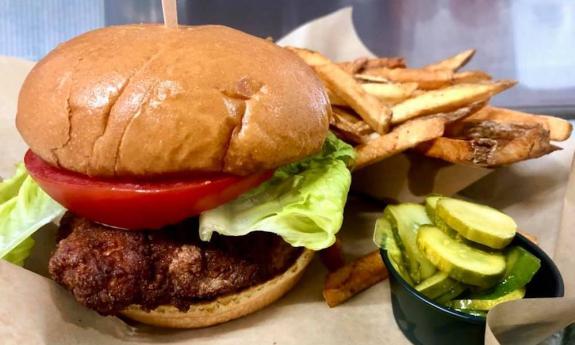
(170, 11)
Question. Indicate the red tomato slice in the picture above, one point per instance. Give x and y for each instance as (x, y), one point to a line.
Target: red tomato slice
(136, 204)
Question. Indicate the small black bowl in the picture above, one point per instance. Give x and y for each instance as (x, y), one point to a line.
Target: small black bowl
(425, 322)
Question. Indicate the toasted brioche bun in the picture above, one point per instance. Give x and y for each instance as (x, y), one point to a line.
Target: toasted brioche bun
(225, 308)
(142, 100)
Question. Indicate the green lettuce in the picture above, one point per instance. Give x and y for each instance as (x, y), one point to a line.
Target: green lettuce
(22, 251)
(24, 208)
(303, 202)
(9, 187)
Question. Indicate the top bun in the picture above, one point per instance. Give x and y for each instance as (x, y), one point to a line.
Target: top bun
(141, 100)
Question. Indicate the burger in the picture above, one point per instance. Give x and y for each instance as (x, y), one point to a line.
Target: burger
(195, 165)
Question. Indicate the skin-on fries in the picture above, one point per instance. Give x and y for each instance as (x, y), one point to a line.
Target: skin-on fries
(400, 139)
(375, 113)
(310, 57)
(370, 96)
(342, 115)
(335, 99)
(470, 77)
(389, 62)
(559, 129)
(365, 64)
(426, 79)
(372, 78)
(489, 147)
(353, 278)
(467, 77)
(352, 67)
(446, 99)
(452, 150)
(461, 113)
(349, 127)
(452, 63)
(390, 93)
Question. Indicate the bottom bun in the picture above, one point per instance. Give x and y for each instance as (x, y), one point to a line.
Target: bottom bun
(227, 307)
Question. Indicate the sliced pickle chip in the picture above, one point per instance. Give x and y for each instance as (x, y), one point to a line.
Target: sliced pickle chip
(460, 261)
(477, 223)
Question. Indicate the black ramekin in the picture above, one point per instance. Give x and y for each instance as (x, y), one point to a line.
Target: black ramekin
(425, 322)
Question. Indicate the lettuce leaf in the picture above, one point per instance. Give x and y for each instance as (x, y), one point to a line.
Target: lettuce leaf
(9, 187)
(303, 202)
(24, 209)
(22, 251)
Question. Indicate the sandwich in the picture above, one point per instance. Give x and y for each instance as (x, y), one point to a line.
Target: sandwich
(194, 164)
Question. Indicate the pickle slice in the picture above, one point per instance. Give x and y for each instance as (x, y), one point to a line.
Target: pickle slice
(485, 304)
(447, 229)
(430, 205)
(385, 238)
(521, 267)
(430, 208)
(405, 220)
(477, 223)
(461, 262)
(457, 290)
(437, 285)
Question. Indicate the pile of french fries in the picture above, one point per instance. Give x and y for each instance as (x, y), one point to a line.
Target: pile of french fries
(382, 108)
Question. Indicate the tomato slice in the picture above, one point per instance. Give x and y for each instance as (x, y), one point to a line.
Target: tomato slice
(138, 204)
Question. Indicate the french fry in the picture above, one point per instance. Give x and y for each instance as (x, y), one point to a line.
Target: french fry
(362, 64)
(335, 99)
(499, 149)
(559, 129)
(401, 138)
(457, 151)
(436, 109)
(349, 128)
(452, 63)
(389, 62)
(349, 137)
(332, 258)
(347, 133)
(467, 77)
(352, 67)
(446, 99)
(531, 145)
(310, 57)
(353, 278)
(427, 79)
(417, 93)
(371, 78)
(462, 112)
(376, 114)
(470, 77)
(390, 93)
(342, 115)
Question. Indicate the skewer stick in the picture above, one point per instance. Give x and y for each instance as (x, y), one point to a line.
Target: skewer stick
(170, 11)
